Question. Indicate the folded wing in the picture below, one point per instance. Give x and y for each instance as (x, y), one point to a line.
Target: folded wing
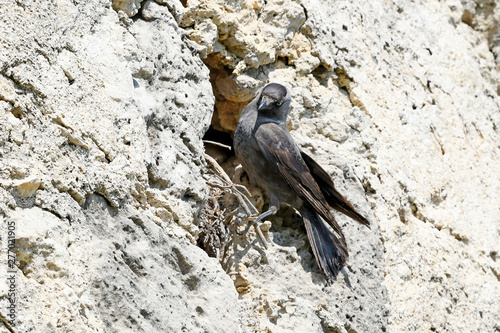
(332, 196)
(279, 149)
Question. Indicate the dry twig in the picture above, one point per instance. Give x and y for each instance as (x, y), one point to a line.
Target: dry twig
(243, 200)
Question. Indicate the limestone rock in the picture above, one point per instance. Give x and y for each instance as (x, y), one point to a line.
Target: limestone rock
(103, 107)
(400, 101)
(95, 108)
(115, 270)
(130, 7)
(27, 187)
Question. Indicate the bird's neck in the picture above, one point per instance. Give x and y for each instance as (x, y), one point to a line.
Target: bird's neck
(263, 119)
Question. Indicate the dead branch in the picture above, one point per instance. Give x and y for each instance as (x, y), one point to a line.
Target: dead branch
(243, 200)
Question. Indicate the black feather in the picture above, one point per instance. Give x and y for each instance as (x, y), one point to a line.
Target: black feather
(330, 252)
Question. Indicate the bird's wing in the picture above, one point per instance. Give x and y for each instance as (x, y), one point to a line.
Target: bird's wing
(332, 196)
(279, 149)
(330, 251)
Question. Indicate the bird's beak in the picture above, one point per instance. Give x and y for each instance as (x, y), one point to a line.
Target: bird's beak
(265, 103)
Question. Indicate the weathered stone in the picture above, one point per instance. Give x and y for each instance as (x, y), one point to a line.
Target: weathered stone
(27, 187)
(105, 113)
(103, 106)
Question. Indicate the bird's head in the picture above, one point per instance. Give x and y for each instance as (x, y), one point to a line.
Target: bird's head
(274, 102)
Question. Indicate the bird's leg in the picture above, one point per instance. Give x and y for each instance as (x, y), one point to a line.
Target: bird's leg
(274, 206)
(271, 211)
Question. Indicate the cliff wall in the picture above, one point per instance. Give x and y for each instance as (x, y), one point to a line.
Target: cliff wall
(103, 107)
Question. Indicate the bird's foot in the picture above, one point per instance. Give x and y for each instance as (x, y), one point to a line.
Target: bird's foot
(249, 220)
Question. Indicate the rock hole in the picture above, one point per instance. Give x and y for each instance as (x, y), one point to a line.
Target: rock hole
(468, 18)
(17, 112)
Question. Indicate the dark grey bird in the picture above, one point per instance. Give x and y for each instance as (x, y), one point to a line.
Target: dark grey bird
(273, 161)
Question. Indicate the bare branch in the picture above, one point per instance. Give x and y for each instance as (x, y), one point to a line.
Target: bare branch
(217, 144)
(243, 200)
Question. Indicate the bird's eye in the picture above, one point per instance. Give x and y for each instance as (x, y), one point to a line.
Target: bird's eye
(279, 103)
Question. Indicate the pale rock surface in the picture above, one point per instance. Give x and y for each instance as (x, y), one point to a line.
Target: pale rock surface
(102, 109)
(401, 100)
(100, 162)
(130, 8)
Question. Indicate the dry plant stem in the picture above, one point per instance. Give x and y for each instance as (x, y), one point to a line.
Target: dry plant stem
(217, 144)
(242, 199)
(248, 207)
(227, 240)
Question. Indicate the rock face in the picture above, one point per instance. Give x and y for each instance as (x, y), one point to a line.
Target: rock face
(103, 106)
(101, 154)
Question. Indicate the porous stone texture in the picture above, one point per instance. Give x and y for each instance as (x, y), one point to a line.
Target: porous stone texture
(100, 161)
(400, 102)
(103, 105)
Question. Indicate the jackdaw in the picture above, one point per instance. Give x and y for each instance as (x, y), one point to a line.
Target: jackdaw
(273, 161)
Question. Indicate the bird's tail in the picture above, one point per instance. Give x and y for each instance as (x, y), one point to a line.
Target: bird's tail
(330, 251)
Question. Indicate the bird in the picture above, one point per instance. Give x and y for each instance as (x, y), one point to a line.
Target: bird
(273, 161)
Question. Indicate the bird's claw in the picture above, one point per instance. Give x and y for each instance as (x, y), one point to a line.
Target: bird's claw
(249, 220)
